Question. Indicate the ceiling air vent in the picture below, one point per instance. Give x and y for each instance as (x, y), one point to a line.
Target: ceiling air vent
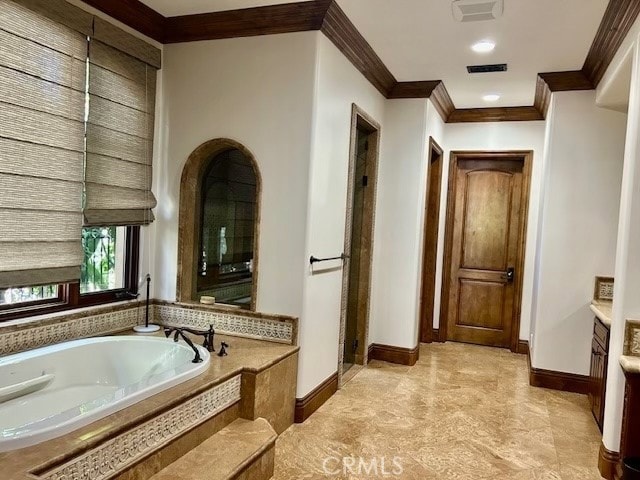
(477, 10)
(500, 67)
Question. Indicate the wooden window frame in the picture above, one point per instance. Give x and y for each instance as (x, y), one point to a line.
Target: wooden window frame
(69, 296)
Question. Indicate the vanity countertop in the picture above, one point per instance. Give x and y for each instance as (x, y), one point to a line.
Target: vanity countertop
(630, 364)
(602, 310)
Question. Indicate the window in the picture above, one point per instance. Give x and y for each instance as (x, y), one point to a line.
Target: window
(108, 274)
(76, 143)
(103, 262)
(14, 296)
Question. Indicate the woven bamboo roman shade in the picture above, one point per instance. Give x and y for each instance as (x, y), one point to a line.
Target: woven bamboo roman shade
(122, 90)
(42, 108)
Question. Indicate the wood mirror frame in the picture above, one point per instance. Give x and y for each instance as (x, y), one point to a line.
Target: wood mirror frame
(190, 228)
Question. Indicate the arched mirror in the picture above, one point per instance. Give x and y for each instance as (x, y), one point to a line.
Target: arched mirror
(219, 216)
(229, 203)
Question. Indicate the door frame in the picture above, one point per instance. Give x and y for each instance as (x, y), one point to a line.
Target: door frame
(527, 157)
(428, 295)
(359, 118)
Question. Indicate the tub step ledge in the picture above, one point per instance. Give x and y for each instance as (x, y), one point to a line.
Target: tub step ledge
(243, 450)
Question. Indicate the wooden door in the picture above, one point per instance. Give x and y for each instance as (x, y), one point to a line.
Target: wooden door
(485, 245)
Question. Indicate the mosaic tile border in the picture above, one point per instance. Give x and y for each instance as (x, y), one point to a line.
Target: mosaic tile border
(97, 321)
(119, 453)
(632, 338)
(227, 323)
(69, 327)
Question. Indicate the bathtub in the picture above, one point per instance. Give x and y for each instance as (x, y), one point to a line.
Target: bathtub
(51, 391)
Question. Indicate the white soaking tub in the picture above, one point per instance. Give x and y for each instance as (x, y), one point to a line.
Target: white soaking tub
(50, 391)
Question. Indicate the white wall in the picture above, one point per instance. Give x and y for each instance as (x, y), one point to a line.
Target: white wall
(399, 220)
(337, 86)
(499, 136)
(535, 290)
(259, 92)
(579, 227)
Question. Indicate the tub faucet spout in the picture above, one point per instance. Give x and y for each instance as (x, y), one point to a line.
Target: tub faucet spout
(179, 332)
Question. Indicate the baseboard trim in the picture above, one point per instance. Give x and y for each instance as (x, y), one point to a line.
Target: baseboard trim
(608, 463)
(315, 399)
(523, 347)
(566, 382)
(391, 354)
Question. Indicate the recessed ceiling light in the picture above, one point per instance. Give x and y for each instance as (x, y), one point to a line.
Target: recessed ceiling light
(484, 46)
(492, 97)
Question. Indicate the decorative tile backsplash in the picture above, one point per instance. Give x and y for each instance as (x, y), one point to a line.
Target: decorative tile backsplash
(116, 318)
(635, 342)
(604, 288)
(69, 327)
(632, 338)
(227, 323)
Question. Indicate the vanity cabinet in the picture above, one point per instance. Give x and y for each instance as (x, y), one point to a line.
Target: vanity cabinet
(598, 375)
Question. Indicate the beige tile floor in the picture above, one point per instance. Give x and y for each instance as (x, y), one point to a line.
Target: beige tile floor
(462, 412)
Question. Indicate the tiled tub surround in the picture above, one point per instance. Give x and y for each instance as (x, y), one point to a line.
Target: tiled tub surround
(46, 395)
(27, 334)
(257, 379)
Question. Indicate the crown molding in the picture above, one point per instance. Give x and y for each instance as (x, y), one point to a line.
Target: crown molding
(497, 114)
(134, 14)
(248, 22)
(442, 101)
(423, 89)
(328, 17)
(342, 32)
(566, 81)
(618, 19)
(547, 83)
(542, 99)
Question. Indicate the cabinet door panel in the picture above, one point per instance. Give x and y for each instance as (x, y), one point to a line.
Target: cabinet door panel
(597, 380)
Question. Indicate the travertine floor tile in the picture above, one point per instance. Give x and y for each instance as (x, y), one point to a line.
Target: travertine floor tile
(461, 413)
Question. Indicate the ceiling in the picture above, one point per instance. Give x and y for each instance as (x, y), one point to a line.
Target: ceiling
(420, 40)
(173, 8)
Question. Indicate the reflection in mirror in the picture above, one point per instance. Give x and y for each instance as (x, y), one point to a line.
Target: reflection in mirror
(228, 224)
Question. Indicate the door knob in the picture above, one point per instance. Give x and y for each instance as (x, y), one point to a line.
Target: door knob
(511, 272)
